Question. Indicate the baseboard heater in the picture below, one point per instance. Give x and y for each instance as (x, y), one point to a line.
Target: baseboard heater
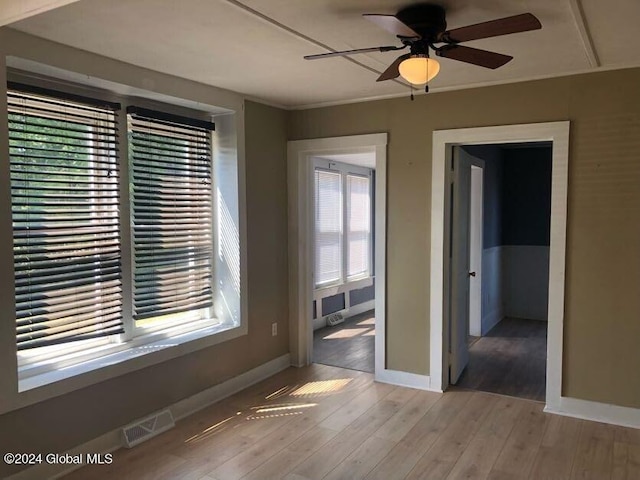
(335, 318)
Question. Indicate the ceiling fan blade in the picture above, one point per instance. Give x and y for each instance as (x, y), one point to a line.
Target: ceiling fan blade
(393, 70)
(391, 24)
(482, 58)
(493, 28)
(352, 52)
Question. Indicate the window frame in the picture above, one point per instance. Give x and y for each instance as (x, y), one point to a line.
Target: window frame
(89, 363)
(345, 170)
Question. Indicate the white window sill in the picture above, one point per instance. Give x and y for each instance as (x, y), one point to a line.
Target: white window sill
(118, 359)
(322, 291)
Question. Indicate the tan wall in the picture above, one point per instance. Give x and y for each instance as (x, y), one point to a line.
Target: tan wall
(602, 321)
(66, 421)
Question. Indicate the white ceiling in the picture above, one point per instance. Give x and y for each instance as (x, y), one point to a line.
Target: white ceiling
(255, 47)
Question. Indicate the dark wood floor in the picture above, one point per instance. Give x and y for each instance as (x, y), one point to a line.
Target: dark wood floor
(347, 345)
(511, 360)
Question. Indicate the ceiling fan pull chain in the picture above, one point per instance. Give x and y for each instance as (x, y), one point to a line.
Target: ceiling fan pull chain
(426, 67)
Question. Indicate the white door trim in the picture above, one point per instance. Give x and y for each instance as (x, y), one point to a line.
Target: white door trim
(300, 188)
(443, 140)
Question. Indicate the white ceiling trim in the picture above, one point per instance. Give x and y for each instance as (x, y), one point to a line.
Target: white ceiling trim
(433, 91)
(583, 30)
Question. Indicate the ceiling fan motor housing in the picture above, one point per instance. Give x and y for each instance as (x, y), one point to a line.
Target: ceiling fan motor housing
(428, 20)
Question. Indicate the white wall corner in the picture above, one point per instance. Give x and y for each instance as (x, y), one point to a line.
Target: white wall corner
(491, 320)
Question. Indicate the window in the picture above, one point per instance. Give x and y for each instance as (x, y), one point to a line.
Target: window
(358, 224)
(73, 263)
(172, 218)
(342, 224)
(328, 205)
(65, 202)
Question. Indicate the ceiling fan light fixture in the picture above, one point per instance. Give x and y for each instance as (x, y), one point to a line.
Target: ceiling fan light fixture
(419, 69)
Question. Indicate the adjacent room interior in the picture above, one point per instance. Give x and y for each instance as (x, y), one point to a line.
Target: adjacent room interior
(507, 227)
(344, 270)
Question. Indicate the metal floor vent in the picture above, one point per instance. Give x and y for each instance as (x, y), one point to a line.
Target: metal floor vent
(147, 428)
(334, 319)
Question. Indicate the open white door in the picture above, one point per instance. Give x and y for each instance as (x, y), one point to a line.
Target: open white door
(460, 264)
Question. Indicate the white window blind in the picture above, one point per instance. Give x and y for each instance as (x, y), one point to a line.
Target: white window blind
(65, 208)
(171, 214)
(328, 226)
(358, 224)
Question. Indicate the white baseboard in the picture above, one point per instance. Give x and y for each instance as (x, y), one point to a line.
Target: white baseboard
(112, 440)
(405, 379)
(352, 311)
(197, 402)
(597, 412)
(361, 308)
(319, 323)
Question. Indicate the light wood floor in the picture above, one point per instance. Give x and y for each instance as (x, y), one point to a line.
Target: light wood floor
(324, 422)
(347, 345)
(511, 359)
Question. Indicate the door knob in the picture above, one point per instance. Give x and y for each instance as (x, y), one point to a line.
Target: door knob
(472, 274)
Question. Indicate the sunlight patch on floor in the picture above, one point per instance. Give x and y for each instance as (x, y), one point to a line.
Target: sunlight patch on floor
(281, 407)
(368, 321)
(322, 387)
(273, 415)
(278, 393)
(212, 430)
(346, 333)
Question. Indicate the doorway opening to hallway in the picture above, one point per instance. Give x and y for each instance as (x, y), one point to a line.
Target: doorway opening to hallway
(499, 213)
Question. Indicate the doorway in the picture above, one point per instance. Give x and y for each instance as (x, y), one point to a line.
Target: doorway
(443, 141)
(343, 205)
(301, 155)
(498, 343)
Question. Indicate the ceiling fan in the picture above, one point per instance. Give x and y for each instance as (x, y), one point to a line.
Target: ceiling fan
(420, 27)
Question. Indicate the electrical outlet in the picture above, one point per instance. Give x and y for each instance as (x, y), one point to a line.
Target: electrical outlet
(274, 329)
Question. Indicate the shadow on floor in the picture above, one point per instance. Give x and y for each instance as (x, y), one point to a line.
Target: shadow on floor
(347, 345)
(511, 360)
